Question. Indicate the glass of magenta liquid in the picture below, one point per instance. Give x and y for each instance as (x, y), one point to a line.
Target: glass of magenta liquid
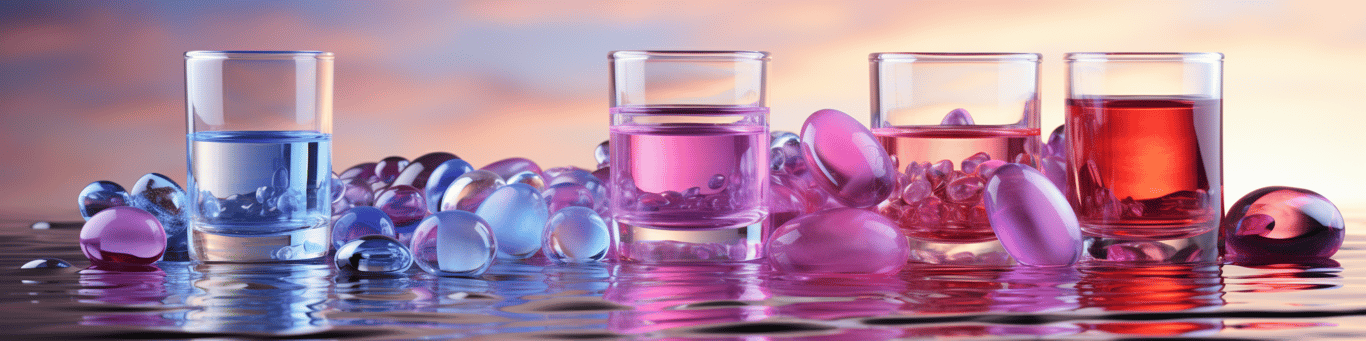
(1144, 143)
(941, 116)
(689, 146)
(260, 155)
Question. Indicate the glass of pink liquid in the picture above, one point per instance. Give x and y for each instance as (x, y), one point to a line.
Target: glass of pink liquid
(689, 147)
(940, 115)
(1144, 143)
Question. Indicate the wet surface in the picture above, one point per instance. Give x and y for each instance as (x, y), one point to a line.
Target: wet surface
(540, 300)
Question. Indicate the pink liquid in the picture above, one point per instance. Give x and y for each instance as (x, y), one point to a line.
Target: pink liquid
(943, 216)
(1145, 167)
(692, 168)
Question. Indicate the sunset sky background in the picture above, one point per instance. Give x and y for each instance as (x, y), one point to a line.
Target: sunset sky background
(94, 90)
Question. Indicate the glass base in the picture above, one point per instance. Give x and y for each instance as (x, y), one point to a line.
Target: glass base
(650, 245)
(1200, 248)
(297, 245)
(990, 253)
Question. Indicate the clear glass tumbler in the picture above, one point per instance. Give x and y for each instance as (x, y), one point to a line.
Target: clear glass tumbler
(689, 142)
(260, 155)
(1144, 143)
(940, 115)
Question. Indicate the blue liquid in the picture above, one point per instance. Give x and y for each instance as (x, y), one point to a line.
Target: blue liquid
(260, 195)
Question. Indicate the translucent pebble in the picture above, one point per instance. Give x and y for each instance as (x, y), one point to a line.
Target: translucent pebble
(357, 193)
(716, 181)
(939, 171)
(557, 171)
(364, 172)
(1057, 142)
(528, 177)
(603, 174)
(967, 190)
(957, 117)
(517, 214)
(916, 190)
(791, 147)
(988, 169)
(1139, 251)
(454, 243)
(420, 169)
(575, 235)
(508, 167)
(846, 160)
(374, 254)
(337, 188)
(584, 178)
(45, 263)
(387, 169)
(361, 221)
(100, 195)
(603, 153)
(917, 169)
(404, 204)
(123, 235)
(1055, 168)
(564, 195)
(164, 199)
(784, 204)
(777, 161)
(1031, 218)
(468, 190)
(440, 179)
(1282, 224)
(839, 241)
(969, 164)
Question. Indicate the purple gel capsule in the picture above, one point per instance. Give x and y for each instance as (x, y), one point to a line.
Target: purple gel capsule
(957, 117)
(846, 160)
(1282, 223)
(123, 235)
(839, 241)
(418, 171)
(508, 167)
(1032, 218)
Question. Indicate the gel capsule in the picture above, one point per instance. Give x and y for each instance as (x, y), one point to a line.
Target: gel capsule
(574, 235)
(420, 169)
(361, 221)
(100, 195)
(468, 190)
(846, 160)
(839, 241)
(508, 167)
(517, 214)
(454, 243)
(163, 198)
(387, 169)
(123, 235)
(374, 254)
(1031, 218)
(1282, 223)
(440, 179)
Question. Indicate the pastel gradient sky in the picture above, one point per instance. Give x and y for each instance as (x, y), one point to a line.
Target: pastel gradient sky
(94, 90)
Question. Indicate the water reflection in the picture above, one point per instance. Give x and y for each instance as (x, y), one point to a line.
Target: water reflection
(1145, 287)
(281, 299)
(137, 287)
(673, 296)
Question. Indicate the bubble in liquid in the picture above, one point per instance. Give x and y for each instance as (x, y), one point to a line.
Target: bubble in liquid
(374, 254)
(100, 195)
(576, 234)
(468, 190)
(454, 243)
(603, 153)
(387, 169)
(517, 214)
(839, 241)
(957, 117)
(716, 181)
(420, 169)
(528, 177)
(404, 204)
(361, 221)
(846, 160)
(123, 235)
(508, 167)
(440, 179)
(163, 198)
(46, 263)
(1282, 224)
(1031, 218)
(559, 196)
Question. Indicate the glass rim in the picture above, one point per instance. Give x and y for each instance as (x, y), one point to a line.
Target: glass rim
(955, 56)
(261, 54)
(688, 55)
(1144, 56)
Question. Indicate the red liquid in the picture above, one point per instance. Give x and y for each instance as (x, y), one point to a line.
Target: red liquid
(939, 217)
(683, 174)
(1145, 167)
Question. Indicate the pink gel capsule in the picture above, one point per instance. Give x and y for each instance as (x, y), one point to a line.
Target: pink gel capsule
(1031, 217)
(846, 159)
(123, 235)
(839, 241)
(1282, 224)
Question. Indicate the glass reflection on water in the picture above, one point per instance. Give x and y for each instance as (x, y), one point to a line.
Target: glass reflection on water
(260, 298)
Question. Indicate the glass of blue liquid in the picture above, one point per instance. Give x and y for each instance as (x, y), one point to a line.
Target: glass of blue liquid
(260, 154)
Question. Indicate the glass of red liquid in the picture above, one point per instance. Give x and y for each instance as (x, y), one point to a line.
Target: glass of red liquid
(940, 116)
(689, 155)
(1144, 143)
